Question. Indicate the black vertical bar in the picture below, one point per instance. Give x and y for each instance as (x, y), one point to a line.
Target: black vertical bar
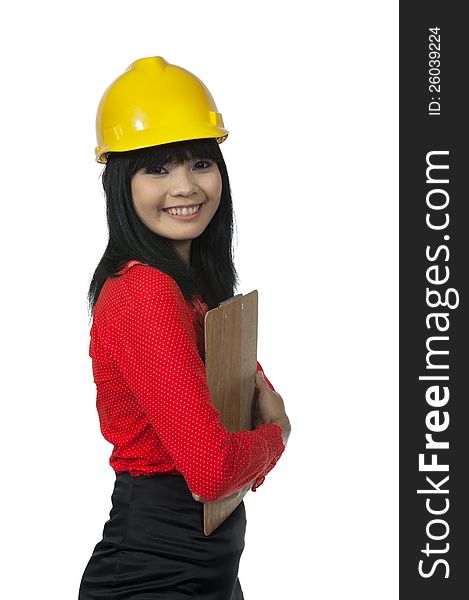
(434, 255)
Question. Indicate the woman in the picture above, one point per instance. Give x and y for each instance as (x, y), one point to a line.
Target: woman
(158, 134)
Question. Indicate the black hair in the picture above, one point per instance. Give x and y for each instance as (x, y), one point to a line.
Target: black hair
(211, 271)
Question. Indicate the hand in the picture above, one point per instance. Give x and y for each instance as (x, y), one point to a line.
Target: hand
(231, 496)
(270, 408)
(199, 498)
(269, 404)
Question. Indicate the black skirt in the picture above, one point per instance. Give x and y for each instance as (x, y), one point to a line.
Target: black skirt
(153, 546)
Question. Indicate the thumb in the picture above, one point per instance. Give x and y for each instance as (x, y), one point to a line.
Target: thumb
(260, 377)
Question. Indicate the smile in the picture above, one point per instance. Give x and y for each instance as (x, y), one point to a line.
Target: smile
(183, 213)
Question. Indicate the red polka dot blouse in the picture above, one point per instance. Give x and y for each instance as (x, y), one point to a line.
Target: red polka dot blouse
(153, 402)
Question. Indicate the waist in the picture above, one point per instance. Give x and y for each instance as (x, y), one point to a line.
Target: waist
(155, 489)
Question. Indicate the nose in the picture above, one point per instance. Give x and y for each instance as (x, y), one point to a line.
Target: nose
(183, 182)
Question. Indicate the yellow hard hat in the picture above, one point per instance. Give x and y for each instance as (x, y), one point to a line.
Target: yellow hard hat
(153, 103)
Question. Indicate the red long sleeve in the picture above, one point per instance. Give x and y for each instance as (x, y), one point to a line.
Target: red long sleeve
(153, 400)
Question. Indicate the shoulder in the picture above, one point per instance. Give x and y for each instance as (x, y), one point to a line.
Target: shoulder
(137, 282)
(142, 280)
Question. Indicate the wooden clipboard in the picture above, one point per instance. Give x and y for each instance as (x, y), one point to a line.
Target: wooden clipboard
(230, 363)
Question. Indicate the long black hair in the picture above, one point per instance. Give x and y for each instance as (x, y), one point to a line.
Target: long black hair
(211, 271)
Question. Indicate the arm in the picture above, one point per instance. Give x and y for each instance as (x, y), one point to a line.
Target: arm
(145, 326)
(260, 480)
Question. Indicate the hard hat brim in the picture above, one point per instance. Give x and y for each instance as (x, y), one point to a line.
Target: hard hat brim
(148, 140)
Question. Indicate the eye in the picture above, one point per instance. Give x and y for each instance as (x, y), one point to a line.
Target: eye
(156, 170)
(207, 162)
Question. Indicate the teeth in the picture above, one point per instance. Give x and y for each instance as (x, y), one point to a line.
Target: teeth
(184, 212)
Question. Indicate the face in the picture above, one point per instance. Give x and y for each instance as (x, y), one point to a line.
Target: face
(197, 182)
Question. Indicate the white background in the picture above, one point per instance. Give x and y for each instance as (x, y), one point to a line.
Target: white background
(308, 92)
